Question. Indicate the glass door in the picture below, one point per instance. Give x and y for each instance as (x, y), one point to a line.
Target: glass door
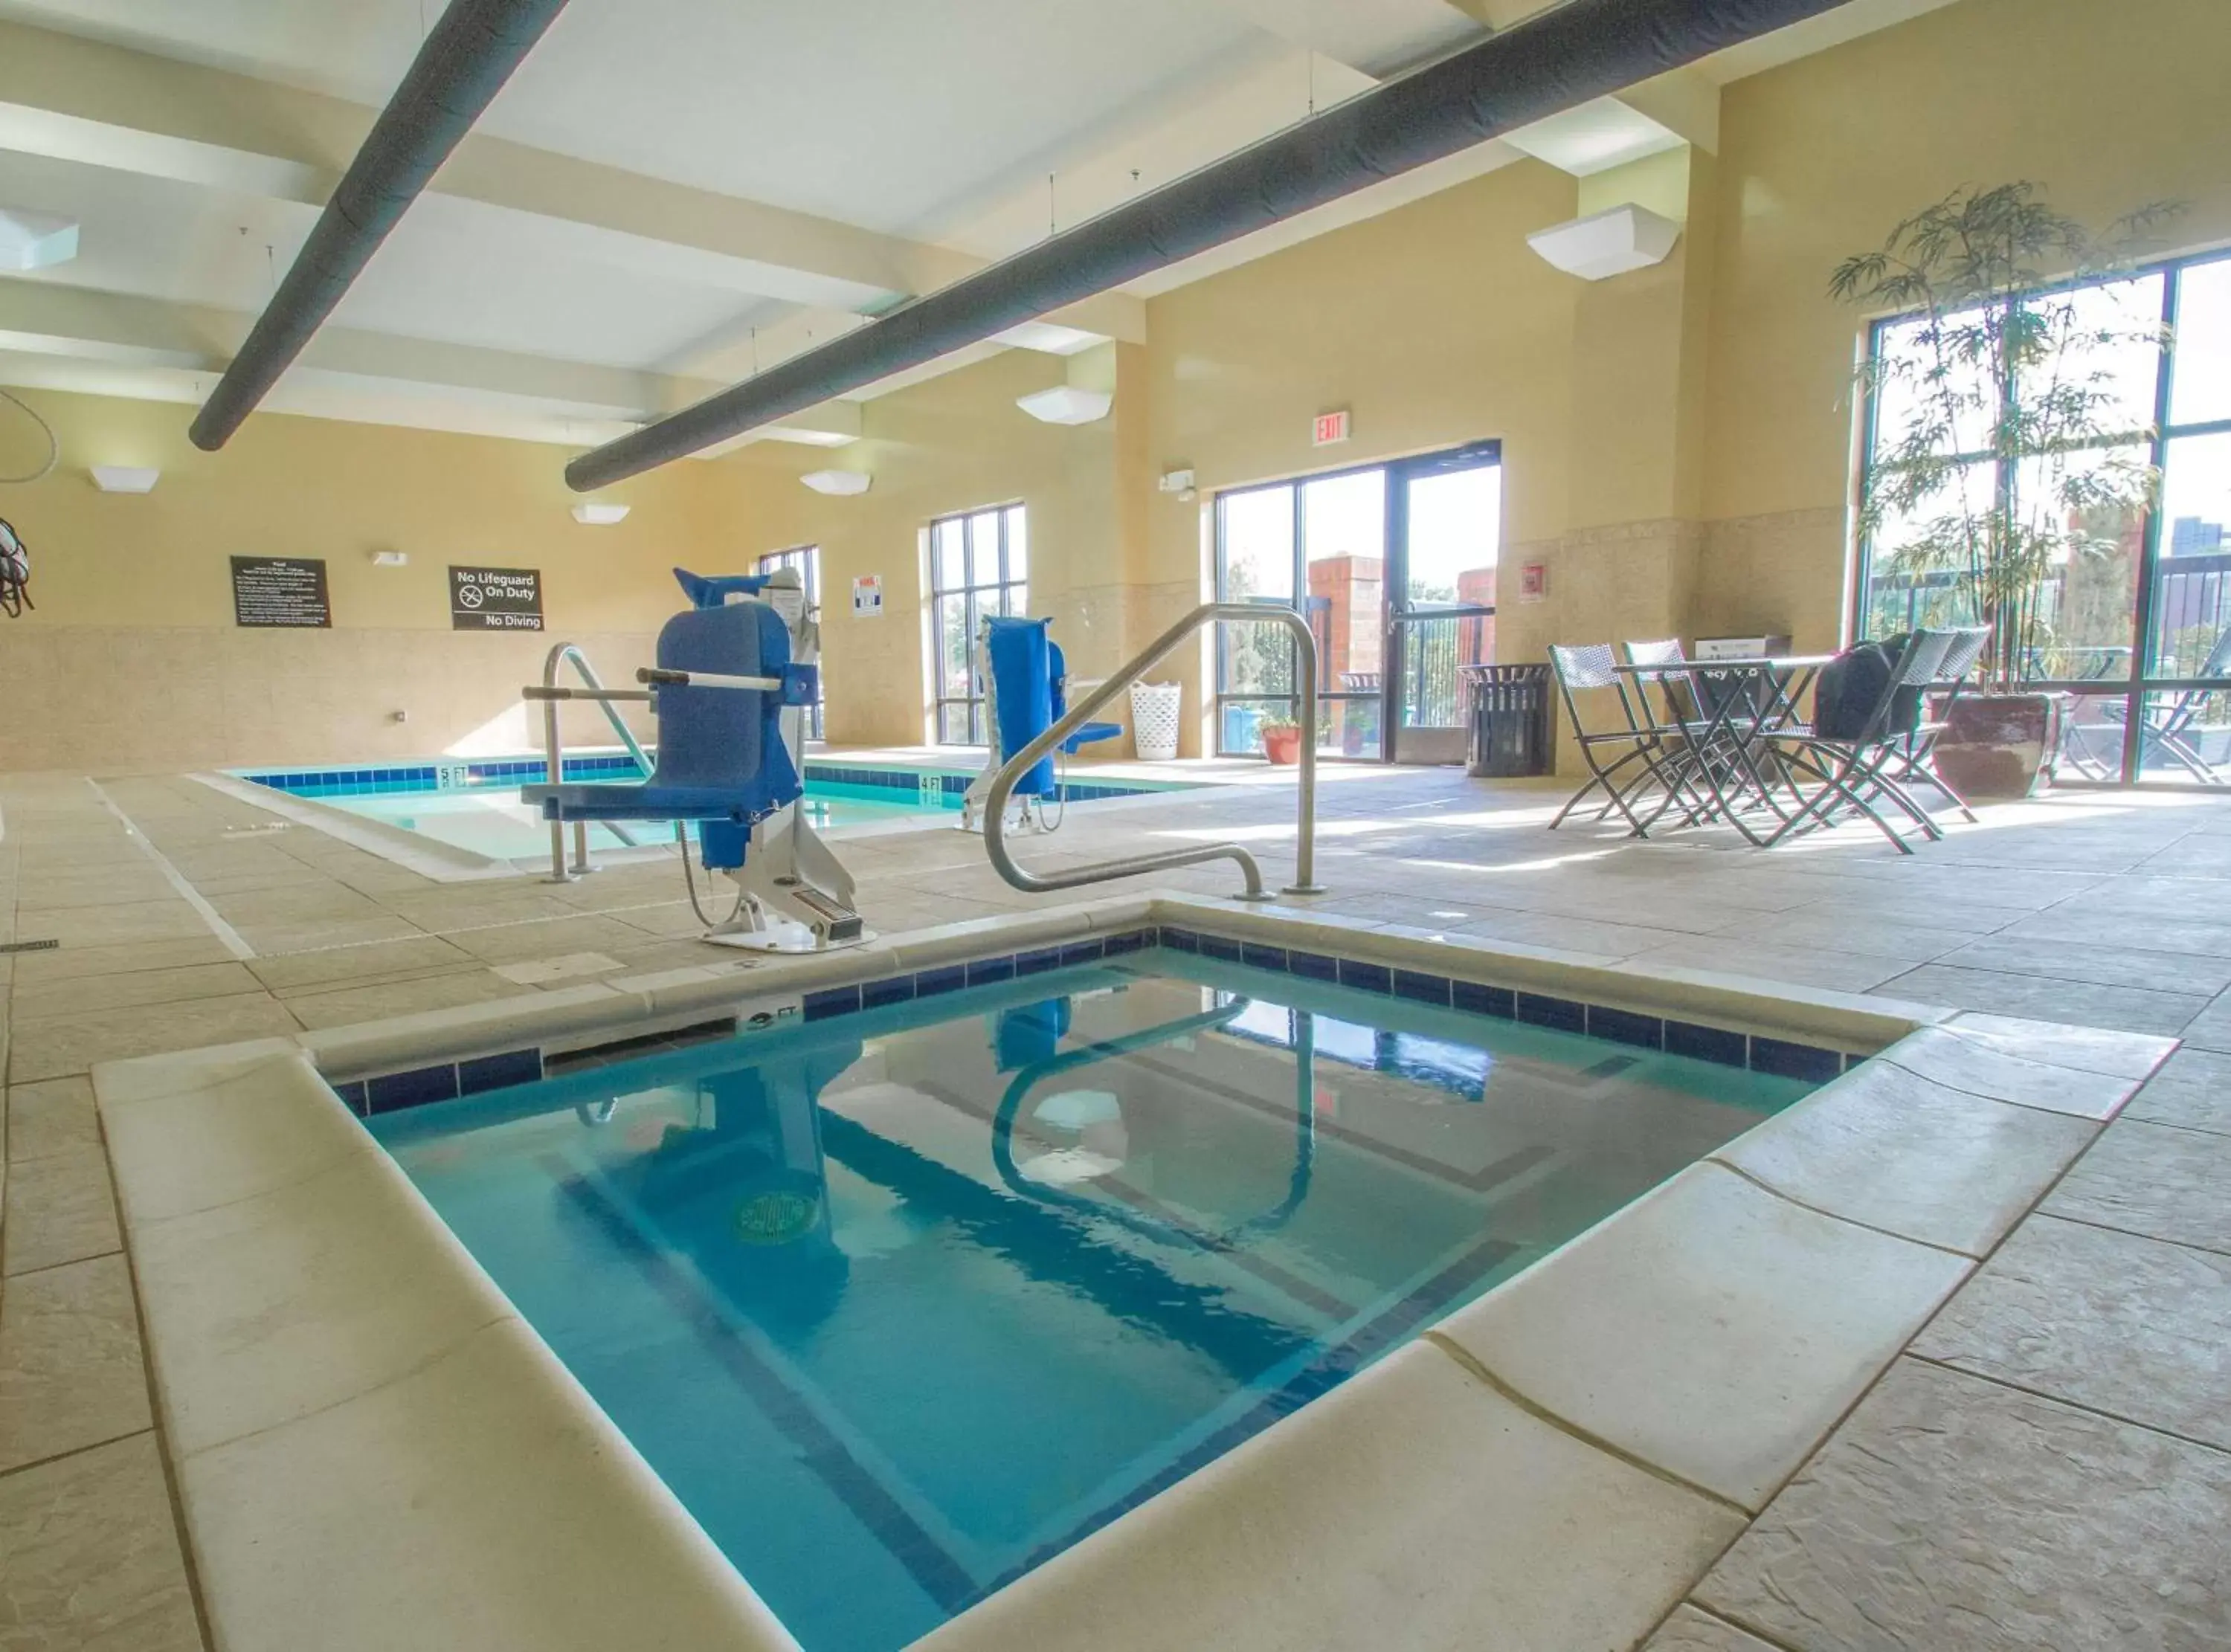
(1393, 565)
(1446, 530)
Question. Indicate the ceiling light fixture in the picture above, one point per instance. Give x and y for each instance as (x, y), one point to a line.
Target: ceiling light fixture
(125, 479)
(593, 513)
(1067, 404)
(843, 484)
(1626, 238)
(34, 240)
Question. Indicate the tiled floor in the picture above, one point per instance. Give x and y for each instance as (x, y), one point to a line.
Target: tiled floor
(2046, 1467)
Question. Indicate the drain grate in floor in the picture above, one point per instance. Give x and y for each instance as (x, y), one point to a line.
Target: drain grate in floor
(30, 946)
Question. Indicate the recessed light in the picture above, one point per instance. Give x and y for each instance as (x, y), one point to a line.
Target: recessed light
(597, 513)
(843, 483)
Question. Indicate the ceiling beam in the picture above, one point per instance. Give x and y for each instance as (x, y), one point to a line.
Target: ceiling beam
(84, 100)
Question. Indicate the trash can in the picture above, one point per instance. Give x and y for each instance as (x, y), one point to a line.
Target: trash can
(1510, 723)
(1155, 713)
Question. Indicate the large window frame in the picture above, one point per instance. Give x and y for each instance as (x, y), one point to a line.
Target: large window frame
(1398, 621)
(978, 566)
(806, 559)
(2123, 694)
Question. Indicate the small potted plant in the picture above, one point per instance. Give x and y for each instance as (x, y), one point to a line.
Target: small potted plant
(1282, 739)
(2009, 459)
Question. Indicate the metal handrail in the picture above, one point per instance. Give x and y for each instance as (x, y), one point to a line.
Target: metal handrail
(553, 753)
(1003, 783)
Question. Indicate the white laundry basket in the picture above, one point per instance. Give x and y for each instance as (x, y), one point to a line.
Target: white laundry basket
(1155, 708)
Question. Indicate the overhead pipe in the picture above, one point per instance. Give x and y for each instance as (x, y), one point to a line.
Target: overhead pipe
(462, 64)
(1553, 62)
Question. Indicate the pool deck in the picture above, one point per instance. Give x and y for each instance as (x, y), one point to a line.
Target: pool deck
(2048, 1462)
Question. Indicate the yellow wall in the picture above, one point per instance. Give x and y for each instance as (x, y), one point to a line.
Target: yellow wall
(130, 656)
(1678, 442)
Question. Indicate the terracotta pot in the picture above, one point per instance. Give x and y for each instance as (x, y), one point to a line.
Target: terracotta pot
(1283, 746)
(2000, 746)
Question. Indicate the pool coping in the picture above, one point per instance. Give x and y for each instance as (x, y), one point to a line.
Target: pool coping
(445, 862)
(280, 1373)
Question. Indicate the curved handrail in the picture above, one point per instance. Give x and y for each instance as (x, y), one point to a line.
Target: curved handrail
(554, 759)
(1003, 783)
(1297, 1186)
(558, 656)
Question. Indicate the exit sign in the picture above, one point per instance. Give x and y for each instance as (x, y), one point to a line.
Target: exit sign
(1330, 428)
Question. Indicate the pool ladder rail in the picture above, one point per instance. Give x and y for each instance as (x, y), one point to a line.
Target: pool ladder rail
(553, 750)
(1131, 866)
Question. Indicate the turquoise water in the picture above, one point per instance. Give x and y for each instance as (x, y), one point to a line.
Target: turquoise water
(904, 1302)
(491, 820)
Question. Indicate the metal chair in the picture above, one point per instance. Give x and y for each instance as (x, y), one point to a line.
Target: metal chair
(1915, 753)
(1588, 666)
(1856, 772)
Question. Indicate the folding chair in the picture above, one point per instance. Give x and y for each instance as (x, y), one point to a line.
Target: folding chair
(1857, 772)
(1915, 754)
(1590, 666)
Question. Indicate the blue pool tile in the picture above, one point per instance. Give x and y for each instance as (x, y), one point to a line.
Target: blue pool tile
(898, 989)
(393, 1091)
(1426, 989)
(1537, 1010)
(1795, 1061)
(1315, 965)
(1038, 960)
(1365, 977)
(1263, 958)
(359, 1103)
(1181, 940)
(1083, 951)
(836, 1000)
(991, 969)
(1707, 1043)
(946, 977)
(1218, 947)
(1483, 1000)
(1133, 942)
(1626, 1027)
(498, 1072)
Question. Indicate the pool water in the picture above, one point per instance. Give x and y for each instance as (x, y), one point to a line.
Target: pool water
(492, 821)
(902, 1303)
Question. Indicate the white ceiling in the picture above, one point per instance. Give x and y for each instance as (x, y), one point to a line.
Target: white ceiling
(915, 138)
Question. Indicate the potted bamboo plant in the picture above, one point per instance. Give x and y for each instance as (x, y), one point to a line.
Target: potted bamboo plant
(2009, 459)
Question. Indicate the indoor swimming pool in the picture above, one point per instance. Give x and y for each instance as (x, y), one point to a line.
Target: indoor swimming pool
(474, 805)
(902, 1298)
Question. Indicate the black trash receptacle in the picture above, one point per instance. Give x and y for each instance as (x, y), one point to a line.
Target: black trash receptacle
(1510, 719)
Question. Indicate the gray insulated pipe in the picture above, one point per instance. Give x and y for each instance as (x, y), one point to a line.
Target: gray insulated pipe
(1563, 57)
(463, 63)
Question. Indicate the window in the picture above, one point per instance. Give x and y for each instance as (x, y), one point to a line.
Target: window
(806, 559)
(2134, 617)
(978, 566)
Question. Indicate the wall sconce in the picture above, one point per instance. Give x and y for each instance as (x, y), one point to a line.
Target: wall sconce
(125, 479)
(843, 484)
(1067, 404)
(597, 513)
(390, 559)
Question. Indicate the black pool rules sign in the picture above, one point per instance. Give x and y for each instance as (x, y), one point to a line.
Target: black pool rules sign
(281, 592)
(496, 599)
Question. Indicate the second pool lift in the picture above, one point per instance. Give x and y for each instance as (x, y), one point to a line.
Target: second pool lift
(1026, 681)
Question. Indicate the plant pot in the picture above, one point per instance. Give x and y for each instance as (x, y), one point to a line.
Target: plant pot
(1281, 746)
(1997, 746)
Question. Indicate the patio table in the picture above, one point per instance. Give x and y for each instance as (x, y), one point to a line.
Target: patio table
(1727, 721)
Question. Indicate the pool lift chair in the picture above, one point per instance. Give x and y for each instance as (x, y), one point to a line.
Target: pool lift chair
(1025, 678)
(735, 677)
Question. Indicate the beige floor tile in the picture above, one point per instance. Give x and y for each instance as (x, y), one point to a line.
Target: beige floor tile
(123, 924)
(2153, 1179)
(2193, 1088)
(317, 934)
(53, 1117)
(288, 973)
(1762, 1322)
(83, 995)
(2132, 1327)
(89, 1556)
(549, 938)
(74, 963)
(1386, 1515)
(1992, 1070)
(1691, 1630)
(70, 1370)
(121, 886)
(60, 1210)
(62, 1044)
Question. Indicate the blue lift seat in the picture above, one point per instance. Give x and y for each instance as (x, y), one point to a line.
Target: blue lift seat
(721, 752)
(1028, 673)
